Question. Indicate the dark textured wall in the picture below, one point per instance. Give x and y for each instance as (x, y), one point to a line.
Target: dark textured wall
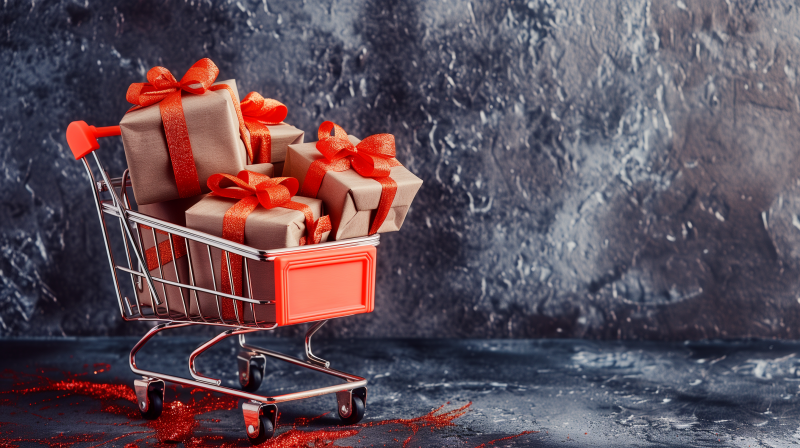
(607, 169)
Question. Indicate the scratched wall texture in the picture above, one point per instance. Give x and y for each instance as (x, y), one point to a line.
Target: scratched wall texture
(601, 169)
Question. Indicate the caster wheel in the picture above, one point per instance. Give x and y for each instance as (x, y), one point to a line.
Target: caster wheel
(156, 400)
(265, 432)
(356, 414)
(252, 382)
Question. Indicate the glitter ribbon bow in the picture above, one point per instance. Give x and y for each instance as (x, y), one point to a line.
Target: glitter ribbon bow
(164, 89)
(373, 158)
(253, 189)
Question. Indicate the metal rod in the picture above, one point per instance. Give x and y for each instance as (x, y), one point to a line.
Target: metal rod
(311, 357)
(127, 204)
(102, 219)
(227, 257)
(124, 220)
(249, 290)
(177, 275)
(198, 288)
(298, 362)
(239, 249)
(214, 282)
(160, 271)
(354, 382)
(191, 279)
(207, 345)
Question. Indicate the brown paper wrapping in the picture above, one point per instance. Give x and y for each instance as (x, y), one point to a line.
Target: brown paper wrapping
(283, 135)
(173, 212)
(264, 229)
(351, 200)
(217, 146)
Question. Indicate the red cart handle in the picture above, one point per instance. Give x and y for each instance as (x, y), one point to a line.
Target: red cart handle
(82, 138)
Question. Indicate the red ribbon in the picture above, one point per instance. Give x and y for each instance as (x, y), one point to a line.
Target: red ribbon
(162, 250)
(259, 112)
(373, 157)
(164, 89)
(253, 189)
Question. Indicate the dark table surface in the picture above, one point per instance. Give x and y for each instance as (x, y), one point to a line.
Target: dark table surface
(77, 392)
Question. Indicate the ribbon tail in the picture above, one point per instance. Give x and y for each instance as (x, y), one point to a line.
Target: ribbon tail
(321, 226)
(388, 192)
(180, 149)
(233, 224)
(260, 141)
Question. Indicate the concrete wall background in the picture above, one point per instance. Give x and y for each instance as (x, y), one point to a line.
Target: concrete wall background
(602, 169)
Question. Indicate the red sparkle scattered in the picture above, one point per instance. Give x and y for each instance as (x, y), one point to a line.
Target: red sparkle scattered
(181, 418)
(492, 442)
(432, 420)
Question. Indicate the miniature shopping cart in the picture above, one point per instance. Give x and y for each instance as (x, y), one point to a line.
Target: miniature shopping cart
(343, 274)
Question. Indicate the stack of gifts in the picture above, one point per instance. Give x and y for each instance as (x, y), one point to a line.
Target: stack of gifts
(199, 157)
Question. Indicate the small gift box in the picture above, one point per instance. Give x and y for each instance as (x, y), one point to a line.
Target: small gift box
(180, 133)
(260, 212)
(178, 301)
(269, 136)
(364, 188)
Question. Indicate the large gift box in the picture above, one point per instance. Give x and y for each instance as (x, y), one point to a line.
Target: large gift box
(180, 133)
(257, 211)
(178, 300)
(364, 188)
(268, 135)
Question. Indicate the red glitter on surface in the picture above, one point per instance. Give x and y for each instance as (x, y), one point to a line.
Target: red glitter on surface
(182, 420)
(432, 420)
(492, 442)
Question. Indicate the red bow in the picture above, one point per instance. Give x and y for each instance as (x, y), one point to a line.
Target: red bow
(164, 89)
(259, 112)
(373, 157)
(161, 83)
(253, 189)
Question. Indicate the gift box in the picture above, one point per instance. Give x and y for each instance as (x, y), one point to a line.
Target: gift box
(269, 136)
(272, 220)
(178, 300)
(355, 180)
(180, 133)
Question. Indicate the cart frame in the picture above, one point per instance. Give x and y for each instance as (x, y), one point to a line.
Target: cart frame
(260, 411)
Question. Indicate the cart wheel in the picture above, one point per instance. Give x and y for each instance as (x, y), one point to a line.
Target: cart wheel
(156, 400)
(252, 382)
(266, 431)
(356, 414)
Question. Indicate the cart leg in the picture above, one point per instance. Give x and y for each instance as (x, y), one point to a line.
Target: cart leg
(150, 397)
(260, 421)
(351, 405)
(311, 357)
(251, 370)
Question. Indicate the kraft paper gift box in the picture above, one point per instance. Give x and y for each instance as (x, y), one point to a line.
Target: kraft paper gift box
(173, 212)
(267, 133)
(264, 229)
(283, 135)
(214, 135)
(350, 199)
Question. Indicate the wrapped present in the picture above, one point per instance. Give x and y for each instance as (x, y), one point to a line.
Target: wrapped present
(179, 133)
(269, 135)
(260, 212)
(171, 268)
(364, 188)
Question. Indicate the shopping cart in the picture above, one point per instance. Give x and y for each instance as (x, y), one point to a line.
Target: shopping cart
(343, 274)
